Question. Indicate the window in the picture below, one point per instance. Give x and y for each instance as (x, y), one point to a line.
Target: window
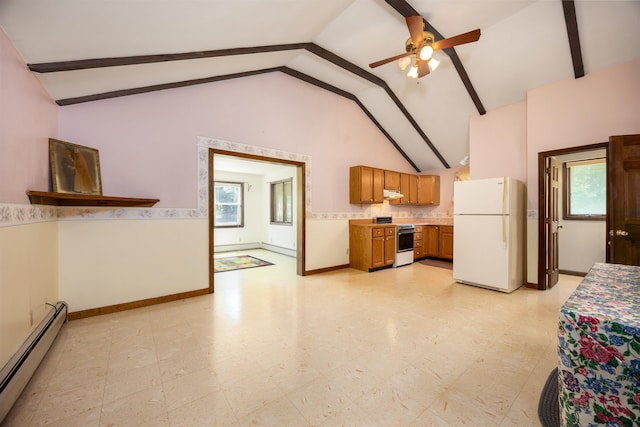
(282, 202)
(228, 200)
(585, 189)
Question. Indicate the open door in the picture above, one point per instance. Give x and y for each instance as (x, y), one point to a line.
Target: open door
(623, 200)
(553, 220)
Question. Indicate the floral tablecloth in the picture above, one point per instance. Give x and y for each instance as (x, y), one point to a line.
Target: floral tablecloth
(599, 349)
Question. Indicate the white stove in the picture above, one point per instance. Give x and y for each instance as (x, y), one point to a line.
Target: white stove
(404, 244)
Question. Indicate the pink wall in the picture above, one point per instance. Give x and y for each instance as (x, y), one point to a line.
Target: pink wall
(28, 117)
(498, 143)
(568, 113)
(147, 142)
(583, 111)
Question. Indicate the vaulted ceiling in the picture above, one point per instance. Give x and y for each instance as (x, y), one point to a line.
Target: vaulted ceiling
(88, 50)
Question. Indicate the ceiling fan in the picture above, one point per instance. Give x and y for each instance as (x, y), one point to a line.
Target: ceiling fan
(421, 46)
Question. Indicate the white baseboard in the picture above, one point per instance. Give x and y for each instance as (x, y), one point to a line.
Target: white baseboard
(237, 247)
(278, 249)
(255, 245)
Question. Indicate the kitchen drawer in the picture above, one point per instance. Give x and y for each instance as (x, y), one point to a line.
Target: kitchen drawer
(417, 236)
(418, 229)
(417, 244)
(417, 253)
(377, 232)
(390, 231)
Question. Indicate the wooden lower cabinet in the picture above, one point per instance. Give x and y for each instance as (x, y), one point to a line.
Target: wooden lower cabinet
(417, 242)
(446, 242)
(371, 247)
(433, 241)
(431, 237)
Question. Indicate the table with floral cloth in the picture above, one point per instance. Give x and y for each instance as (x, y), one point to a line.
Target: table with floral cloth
(599, 349)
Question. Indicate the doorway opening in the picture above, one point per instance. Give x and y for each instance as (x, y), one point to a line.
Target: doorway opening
(550, 207)
(299, 212)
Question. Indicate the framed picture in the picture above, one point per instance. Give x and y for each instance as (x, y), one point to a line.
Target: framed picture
(74, 168)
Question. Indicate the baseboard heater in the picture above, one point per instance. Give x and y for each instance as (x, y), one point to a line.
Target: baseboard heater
(18, 371)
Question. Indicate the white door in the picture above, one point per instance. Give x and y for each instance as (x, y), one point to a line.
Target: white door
(480, 255)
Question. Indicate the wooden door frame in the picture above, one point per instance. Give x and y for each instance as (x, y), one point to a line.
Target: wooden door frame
(300, 215)
(542, 204)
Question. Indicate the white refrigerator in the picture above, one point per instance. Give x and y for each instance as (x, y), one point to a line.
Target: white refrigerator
(488, 238)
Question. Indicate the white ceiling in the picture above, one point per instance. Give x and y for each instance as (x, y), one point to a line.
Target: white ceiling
(524, 44)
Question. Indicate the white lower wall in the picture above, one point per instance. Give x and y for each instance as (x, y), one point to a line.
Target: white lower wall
(582, 244)
(327, 243)
(106, 262)
(28, 280)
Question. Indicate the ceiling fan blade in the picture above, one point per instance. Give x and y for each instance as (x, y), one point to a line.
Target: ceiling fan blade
(386, 61)
(416, 27)
(469, 37)
(423, 68)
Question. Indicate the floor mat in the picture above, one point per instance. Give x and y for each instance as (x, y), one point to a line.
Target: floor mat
(438, 263)
(239, 262)
(548, 407)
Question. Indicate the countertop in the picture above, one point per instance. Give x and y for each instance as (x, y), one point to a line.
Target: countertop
(396, 221)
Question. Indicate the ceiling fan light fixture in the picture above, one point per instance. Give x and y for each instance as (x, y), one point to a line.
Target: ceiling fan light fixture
(403, 63)
(426, 52)
(433, 64)
(413, 71)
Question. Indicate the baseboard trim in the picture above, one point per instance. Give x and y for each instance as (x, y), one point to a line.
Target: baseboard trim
(76, 315)
(326, 269)
(572, 273)
(532, 285)
(279, 249)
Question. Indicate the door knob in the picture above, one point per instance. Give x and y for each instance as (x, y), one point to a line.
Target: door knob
(622, 233)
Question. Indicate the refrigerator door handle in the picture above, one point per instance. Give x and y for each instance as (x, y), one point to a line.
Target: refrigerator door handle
(504, 219)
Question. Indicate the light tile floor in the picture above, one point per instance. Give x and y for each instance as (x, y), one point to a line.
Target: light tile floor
(398, 347)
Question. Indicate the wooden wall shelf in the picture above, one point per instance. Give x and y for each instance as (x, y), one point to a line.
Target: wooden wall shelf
(73, 199)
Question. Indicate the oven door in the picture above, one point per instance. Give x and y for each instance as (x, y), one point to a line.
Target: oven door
(404, 240)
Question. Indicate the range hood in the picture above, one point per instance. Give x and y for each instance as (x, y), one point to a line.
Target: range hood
(392, 194)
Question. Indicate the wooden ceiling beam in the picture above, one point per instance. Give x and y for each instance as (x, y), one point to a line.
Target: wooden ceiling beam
(324, 85)
(286, 70)
(341, 62)
(155, 88)
(569, 8)
(325, 54)
(85, 64)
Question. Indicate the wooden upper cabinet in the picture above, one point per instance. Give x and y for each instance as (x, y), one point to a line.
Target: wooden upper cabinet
(428, 190)
(413, 190)
(409, 190)
(378, 185)
(366, 185)
(392, 180)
